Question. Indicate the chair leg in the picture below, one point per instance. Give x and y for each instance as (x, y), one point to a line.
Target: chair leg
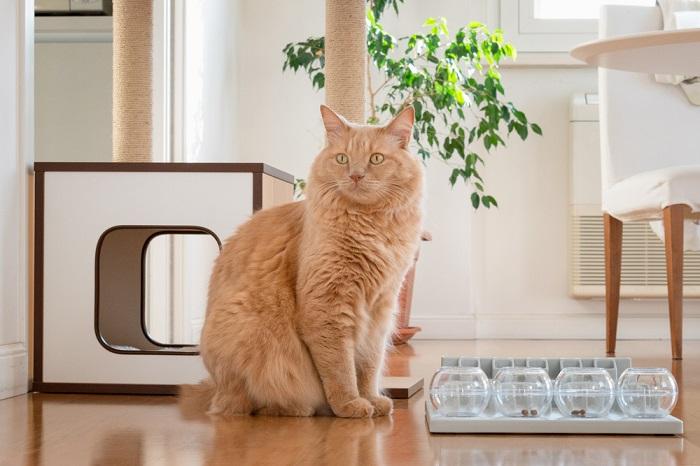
(613, 270)
(673, 234)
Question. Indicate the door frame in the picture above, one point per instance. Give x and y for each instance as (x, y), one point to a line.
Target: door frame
(17, 46)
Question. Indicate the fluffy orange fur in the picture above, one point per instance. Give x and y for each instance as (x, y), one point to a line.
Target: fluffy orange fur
(301, 297)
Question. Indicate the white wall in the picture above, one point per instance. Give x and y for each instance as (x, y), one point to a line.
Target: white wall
(278, 114)
(74, 101)
(15, 151)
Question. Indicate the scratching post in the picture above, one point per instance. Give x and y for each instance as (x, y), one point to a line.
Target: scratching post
(132, 81)
(346, 55)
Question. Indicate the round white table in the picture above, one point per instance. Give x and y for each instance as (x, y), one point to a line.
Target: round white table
(662, 52)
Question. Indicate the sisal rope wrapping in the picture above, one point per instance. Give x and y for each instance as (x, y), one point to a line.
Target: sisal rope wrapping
(132, 65)
(346, 55)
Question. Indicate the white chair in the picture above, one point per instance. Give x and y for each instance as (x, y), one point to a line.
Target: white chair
(650, 156)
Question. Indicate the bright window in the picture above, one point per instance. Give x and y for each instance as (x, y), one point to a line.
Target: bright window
(554, 25)
(578, 9)
(178, 69)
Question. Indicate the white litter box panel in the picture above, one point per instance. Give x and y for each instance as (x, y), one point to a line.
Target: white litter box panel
(79, 207)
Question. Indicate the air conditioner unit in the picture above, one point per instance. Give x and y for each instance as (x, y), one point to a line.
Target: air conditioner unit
(643, 258)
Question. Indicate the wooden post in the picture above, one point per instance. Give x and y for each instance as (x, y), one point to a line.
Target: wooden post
(673, 240)
(613, 270)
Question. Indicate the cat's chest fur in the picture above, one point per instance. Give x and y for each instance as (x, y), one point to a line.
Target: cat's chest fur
(362, 255)
(391, 241)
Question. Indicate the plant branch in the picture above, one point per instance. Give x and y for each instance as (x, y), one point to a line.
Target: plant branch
(376, 91)
(372, 109)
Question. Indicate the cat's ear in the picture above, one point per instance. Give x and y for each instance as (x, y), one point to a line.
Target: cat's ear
(335, 124)
(401, 127)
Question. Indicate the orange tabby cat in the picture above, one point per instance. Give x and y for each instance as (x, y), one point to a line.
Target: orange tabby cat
(301, 297)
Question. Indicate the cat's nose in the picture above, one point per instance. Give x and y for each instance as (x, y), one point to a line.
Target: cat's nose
(356, 177)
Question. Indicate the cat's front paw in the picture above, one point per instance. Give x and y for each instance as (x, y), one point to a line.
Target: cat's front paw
(359, 407)
(383, 405)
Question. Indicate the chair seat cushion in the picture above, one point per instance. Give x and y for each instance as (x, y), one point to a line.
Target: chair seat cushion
(645, 195)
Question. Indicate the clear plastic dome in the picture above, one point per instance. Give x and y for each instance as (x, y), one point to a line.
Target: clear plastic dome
(460, 391)
(584, 392)
(523, 391)
(646, 393)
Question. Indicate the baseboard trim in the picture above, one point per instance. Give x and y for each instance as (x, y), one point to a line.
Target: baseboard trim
(579, 327)
(445, 327)
(547, 327)
(13, 370)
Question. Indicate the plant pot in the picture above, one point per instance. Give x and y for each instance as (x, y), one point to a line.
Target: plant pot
(403, 331)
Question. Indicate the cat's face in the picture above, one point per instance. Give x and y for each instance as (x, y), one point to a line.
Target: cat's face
(366, 164)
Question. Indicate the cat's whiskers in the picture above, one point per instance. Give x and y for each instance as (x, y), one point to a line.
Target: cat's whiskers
(326, 187)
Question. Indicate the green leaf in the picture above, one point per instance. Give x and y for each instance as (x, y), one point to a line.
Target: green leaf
(536, 129)
(443, 27)
(370, 16)
(472, 135)
(510, 51)
(488, 201)
(319, 80)
(453, 176)
(418, 107)
(475, 200)
(432, 139)
(299, 187)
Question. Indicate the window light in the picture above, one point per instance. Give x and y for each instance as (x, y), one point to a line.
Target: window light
(579, 9)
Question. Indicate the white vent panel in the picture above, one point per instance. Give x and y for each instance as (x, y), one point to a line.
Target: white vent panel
(643, 261)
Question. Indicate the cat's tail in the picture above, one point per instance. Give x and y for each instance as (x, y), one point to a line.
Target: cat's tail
(194, 400)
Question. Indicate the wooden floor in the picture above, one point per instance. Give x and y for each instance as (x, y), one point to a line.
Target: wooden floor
(138, 430)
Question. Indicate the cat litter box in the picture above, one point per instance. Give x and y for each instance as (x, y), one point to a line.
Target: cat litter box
(94, 280)
(551, 396)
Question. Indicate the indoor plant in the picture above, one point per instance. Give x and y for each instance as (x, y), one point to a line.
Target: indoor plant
(452, 82)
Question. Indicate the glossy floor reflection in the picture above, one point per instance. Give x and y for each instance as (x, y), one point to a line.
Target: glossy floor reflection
(121, 430)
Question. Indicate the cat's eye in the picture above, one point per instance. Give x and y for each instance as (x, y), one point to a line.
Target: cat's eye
(341, 159)
(376, 158)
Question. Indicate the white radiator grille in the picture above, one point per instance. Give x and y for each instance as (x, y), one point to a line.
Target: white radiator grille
(643, 261)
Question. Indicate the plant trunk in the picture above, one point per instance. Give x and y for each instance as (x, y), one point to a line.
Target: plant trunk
(403, 330)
